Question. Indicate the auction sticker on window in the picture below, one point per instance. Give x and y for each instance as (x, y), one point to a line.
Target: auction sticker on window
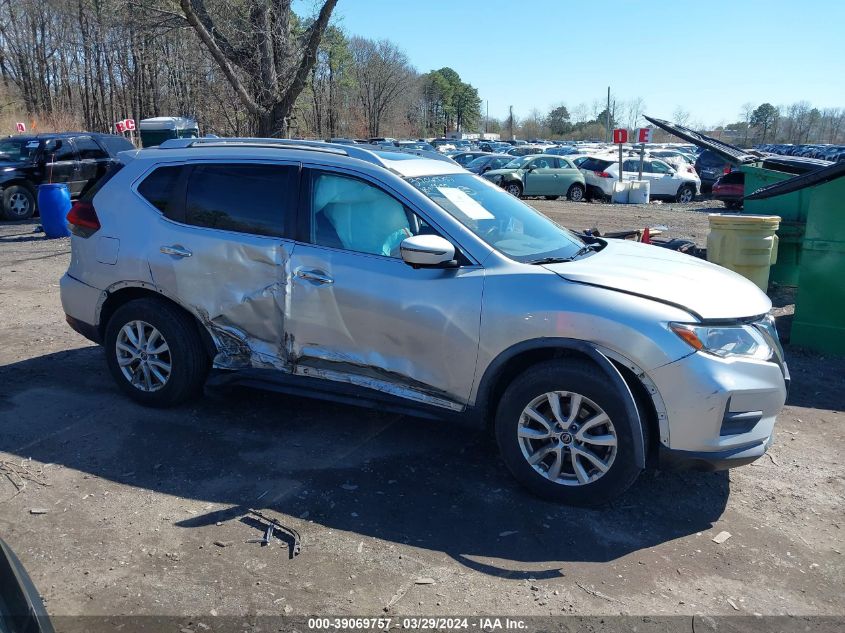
(465, 204)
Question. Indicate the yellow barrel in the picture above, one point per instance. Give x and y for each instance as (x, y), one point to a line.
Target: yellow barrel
(745, 244)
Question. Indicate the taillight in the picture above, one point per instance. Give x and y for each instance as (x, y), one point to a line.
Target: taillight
(83, 219)
(602, 174)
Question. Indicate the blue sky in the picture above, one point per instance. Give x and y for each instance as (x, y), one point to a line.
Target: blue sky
(708, 57)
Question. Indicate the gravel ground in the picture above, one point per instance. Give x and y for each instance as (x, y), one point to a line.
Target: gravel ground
(147, 511)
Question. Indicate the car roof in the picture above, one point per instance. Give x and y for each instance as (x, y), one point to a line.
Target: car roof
(400, 163)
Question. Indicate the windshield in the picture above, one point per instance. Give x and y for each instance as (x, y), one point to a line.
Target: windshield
(477, 163)
(498, 218)
(518, 163)
(18, 150)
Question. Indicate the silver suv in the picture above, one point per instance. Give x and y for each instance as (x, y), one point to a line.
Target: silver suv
(400, 282)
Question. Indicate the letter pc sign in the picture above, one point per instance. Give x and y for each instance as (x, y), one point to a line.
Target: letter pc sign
(644, 135)
(127, 125)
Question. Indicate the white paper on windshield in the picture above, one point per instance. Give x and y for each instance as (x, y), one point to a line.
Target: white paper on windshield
(31, 144)
(465, 204)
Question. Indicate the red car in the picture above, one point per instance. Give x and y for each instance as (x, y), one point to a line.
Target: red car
(730, 189)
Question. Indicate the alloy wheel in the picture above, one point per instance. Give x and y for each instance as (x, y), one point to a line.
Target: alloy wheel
(143, 356)
(19, 204)
(567, 438)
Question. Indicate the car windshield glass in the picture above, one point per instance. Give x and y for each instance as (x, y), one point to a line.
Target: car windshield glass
(517, 163)
(18, 150)
(500, 219)
(478, 162)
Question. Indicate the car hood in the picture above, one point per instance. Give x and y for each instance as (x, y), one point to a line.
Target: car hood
(703, 289)
(6, 165)
(500, 172)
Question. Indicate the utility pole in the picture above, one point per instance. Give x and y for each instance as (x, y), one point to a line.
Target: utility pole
(510, 121)
(607, 125)
(487, 118)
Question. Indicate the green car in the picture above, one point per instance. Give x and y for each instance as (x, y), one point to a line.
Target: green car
(540, 175)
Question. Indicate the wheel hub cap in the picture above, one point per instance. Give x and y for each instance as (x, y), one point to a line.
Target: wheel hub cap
(567, 438)
(143, 356)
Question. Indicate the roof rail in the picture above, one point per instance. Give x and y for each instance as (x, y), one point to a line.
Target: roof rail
(280, 143)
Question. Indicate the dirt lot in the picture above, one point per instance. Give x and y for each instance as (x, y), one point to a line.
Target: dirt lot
(146, 510)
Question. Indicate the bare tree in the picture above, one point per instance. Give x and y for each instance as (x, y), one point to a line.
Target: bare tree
(382, 72)
(632, 110)
(263, 58)
(681, 116)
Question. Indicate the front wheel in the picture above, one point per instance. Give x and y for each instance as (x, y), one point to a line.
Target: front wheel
(686, 194)
(575, 193)
(18, 203)
(513, 188)
(565, 436)
(154, 353)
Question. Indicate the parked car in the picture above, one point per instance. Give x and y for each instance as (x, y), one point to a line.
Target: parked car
(730, 189)
(540, 175)
(710, 166)
(465, 158)
(77, 159)
(486, 162)
(562, 150)
(419, 145)
(409, 284)
(600, 172)
(524, 150)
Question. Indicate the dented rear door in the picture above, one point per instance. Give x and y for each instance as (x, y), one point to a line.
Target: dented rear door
(223, 253)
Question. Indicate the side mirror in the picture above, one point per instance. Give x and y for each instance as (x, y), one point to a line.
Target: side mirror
(428, 251)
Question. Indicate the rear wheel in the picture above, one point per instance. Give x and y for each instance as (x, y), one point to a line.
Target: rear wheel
(686, 194)
(576, 192)
(565, 436)
(155, 353)
(18, 203)
(514, 188)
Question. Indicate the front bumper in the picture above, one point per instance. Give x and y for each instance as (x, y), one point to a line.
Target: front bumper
(719, 412)
(708, 461)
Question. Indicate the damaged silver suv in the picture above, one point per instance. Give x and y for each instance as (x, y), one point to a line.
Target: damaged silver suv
(406, 283)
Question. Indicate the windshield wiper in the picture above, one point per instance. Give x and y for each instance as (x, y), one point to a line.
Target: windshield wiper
(556, 260)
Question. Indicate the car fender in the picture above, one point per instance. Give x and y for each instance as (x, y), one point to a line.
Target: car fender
(615, 379)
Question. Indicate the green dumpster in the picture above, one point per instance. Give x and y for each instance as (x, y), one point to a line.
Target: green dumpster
(819, 321)
(791, 207)
(762, 170)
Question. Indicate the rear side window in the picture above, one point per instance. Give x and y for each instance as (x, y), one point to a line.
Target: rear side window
(115, 144)
(595, 164)
(88, 149)
(248, 198)
(711, 159)
(159, 188)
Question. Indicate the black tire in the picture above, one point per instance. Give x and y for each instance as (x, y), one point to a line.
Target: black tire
(733, 204)
(188, 359)
(18, 203)
(579, 377)
(551, 197)
(685, 191)
(513, 188)
(576, 193)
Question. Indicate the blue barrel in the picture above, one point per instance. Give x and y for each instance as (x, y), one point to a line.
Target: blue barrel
(53, 206)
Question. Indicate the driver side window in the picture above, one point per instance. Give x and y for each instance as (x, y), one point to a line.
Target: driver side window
(659, 168)
(354, 215)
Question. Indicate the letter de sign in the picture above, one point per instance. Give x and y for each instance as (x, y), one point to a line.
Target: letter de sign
(20, 127)
(645, 134)
(620, 135)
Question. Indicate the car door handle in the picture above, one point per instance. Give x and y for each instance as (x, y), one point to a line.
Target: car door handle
(317, 276)
(176, 251)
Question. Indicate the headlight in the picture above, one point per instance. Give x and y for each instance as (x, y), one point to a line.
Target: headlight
(724, 340)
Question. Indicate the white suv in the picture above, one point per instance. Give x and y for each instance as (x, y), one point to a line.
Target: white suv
(397, 282)
(602, 170)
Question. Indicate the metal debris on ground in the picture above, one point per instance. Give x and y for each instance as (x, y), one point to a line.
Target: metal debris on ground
(425, 580)
(287, 534)
(721, 537)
